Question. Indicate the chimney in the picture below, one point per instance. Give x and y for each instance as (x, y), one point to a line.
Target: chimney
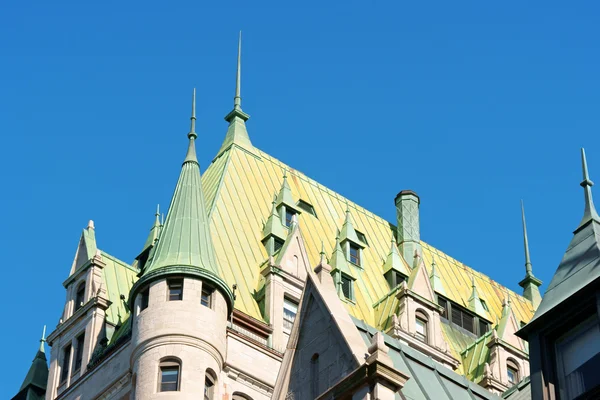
(407, 215)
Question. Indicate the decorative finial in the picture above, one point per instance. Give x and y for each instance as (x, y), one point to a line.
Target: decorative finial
(473, 281)
(90, 224)
(157, 211)
(322, 253)
(237, 100)
(525, 242)
(590, 211)
(192, 133)
(42, 340)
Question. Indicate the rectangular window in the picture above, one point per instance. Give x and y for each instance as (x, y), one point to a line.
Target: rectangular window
(289, 216)
(361, 236)
(462, 318)
(206, 297)
(354, 254)
(347, 287)
(80, 296)
(290, 309)
(144, 299)
(79, 351)
(578, 360)
(399, 278)
(64, 369)
(484, 305)
(512, 376)
(483, 327)
(175, 289)
(306, 207)
(277, 244)
(421, 329)
(169, 378)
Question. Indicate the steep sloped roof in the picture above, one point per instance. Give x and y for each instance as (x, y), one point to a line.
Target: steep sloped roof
(245, 181)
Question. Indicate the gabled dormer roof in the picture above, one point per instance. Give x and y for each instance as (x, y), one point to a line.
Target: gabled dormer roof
(434, 278)
(394, 260)
(274, 226)
(475, 302)
(338, 259)
(418, 281)
(580, 265)
(285, 196)
(348, 232)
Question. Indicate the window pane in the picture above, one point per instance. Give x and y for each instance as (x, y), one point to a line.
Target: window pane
(289, 215)
(145, 298)
(354, 254)
(512, 376)
(468, 322)
(64, 373)
(421, 329)
(175, 290)
(456, 315)
(444, 304)
(79, 297)
(277, 245)
(347, 287)
(290, 309)
(483, 327)
(169, 378)
(79, 352)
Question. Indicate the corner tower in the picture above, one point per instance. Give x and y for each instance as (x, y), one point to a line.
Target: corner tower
(180, 304)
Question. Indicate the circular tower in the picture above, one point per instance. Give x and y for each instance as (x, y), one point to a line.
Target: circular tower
(180, 305)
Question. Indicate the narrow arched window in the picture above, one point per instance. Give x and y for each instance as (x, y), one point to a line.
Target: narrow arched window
(421, 326)
(80, 296)
(210, 381)
(512, 371)
(314, 375)
(169, 375)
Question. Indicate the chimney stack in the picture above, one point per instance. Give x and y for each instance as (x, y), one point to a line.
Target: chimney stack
(407, 215)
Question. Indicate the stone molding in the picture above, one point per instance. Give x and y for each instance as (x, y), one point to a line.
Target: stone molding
(238, 376)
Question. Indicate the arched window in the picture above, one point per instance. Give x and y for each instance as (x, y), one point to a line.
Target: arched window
(169, 375)
(314, 375)
(80, 296)
(421, 326)
(210, 382)
(512, 370)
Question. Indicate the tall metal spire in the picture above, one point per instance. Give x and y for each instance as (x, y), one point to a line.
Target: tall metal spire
(590, 211)
(530, 283)
(43, 340)
(191, 153)
(525, 242)
(237, 133)
(237, 100)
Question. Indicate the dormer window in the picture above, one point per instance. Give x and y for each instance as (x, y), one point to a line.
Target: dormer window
(361, 236)
(348, 287)
(289, 216)
(303, 205)
(80, 296)
(206, 297)
(277, 244)
(175, 289)
(354, 254)
(512, 371)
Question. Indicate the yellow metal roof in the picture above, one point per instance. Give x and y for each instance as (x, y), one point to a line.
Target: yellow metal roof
(239, 186)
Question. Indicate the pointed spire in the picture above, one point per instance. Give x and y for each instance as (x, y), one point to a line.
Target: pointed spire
(43, 340)
(237, 133)
(525, 242)
(348, 232)
(274, 227)
(154, 231)
(285, 196)
(338, 259)
(185, 244)
(237, 100)
(191, 153)
(323, 258)
(474, 301)
(394, 261)
(434, 278)
(530, 283)
(590, 210)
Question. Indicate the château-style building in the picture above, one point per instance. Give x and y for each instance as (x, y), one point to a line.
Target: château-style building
(262, 283)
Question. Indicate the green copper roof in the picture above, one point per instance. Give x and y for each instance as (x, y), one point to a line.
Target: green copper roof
(475, 302)
(273, 226)
(530, 283)
(236, 133)
(338, 260)
(348, 232)
(185, 244)
(285, 196)
(394, 261)
(434, 278)
(580, 265)
(506, 313)
(38, 372)
(154, 231)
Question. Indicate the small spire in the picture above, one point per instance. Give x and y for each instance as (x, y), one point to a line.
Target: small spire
(43, 340)
(322, 253)
(191, 153)
(525, 241)
(237, 100)
(590, 211)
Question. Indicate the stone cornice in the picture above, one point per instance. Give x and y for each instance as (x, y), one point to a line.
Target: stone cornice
(435, 353)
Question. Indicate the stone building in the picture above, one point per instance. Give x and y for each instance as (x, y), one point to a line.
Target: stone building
(262, 283)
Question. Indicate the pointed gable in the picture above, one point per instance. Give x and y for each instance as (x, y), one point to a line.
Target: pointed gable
(508, 326)
(394, 261)
(348, 232)
(86, 249)
(435, 280)
(418, 281)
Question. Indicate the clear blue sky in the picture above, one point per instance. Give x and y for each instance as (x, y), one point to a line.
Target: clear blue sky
(472, 104)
